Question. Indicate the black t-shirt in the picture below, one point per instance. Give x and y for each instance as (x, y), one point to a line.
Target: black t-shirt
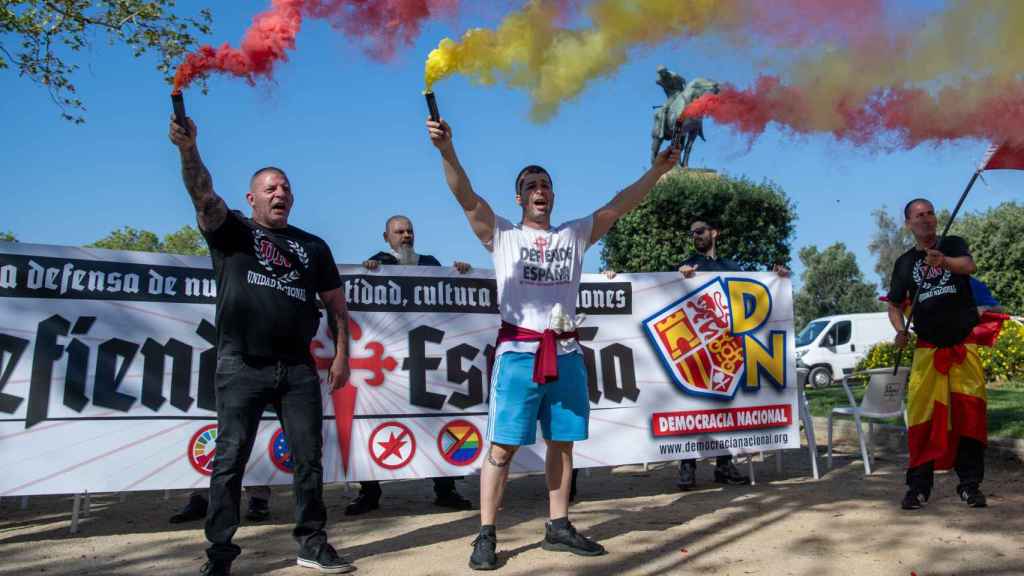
(705, 264)
(945, 312)
(267, 282)
(389, 259)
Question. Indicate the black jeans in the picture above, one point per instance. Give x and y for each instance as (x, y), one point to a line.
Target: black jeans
(443, 486)
(720, 462)
(245, 386)
(969, 466)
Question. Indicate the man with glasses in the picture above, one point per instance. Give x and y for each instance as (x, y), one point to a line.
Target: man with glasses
(706, 259)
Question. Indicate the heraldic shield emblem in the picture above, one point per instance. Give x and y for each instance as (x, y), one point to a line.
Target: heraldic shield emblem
(695, 342)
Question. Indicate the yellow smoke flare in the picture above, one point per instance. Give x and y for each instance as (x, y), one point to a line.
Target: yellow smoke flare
(554, 64)
(955, 49)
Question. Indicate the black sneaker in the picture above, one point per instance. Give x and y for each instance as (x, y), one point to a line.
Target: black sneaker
(216, 568)
(194, 510)
(362, 504)
(259, 510)
(913, 500)
(325, 559)
(729, 474)
(687, 475)
(483, 556)
(973, 497)
(569, 540)
(453, 500)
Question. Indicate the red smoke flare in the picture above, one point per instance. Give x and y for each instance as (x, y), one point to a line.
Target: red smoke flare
(905, 117)
(383, 23)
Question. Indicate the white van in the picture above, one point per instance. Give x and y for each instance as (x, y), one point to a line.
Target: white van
(830, 347)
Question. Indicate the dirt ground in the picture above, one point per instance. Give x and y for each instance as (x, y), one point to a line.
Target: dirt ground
(788, 524)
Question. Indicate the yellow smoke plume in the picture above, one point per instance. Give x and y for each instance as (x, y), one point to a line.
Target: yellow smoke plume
(529, 50)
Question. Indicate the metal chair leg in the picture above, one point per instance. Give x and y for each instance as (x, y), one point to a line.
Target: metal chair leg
(863, 446)
(830, 441)
(76, 508)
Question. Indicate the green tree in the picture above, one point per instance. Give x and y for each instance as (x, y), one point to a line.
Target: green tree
(756, 224)
(832, 284)
(7, 237)
(41, 37)
(995, 239)
(185, 241)
(890, 240)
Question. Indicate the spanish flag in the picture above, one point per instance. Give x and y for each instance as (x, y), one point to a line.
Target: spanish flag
(946, 396)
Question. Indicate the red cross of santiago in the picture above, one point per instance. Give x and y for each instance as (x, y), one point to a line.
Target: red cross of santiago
(541, 243)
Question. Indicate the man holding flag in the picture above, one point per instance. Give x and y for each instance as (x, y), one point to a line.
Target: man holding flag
(946, 398)
(539, 372)
(946, 403)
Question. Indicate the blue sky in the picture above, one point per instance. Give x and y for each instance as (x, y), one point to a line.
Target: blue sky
(349, 131)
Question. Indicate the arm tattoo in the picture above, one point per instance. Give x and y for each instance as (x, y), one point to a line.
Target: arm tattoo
(210, 208)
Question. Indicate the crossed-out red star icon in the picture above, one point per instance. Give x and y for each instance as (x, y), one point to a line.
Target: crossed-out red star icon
(392, 445)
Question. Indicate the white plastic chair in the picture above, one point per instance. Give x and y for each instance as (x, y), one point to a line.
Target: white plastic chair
(883, 400)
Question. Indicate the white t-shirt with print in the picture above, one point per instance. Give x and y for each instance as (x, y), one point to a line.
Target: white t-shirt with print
(535, 269)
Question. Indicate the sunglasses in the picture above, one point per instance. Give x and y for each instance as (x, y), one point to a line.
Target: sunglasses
(698, 231)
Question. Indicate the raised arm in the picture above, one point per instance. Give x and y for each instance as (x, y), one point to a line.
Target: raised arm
(210, 208)
(632, 195)
(334, 302)
(478, 212)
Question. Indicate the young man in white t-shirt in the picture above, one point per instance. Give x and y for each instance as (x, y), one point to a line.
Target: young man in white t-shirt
(539, 372)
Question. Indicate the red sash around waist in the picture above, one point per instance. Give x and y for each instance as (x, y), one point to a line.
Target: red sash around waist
(545, 364)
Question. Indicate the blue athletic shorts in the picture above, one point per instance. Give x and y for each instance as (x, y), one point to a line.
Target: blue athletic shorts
(517, 402)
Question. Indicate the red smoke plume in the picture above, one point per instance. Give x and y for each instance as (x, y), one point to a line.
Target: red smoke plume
(383, 23)
(983, 109)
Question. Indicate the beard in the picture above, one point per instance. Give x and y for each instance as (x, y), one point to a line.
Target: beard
(407, 255)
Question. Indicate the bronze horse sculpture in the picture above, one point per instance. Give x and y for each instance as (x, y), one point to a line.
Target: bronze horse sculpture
(679, 95)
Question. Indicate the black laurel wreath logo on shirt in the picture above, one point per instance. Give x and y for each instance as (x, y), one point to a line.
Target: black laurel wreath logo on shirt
(258, 237)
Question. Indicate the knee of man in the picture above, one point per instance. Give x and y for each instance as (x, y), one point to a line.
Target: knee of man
(501, 454)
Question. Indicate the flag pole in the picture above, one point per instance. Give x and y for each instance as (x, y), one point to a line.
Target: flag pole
(945, 231)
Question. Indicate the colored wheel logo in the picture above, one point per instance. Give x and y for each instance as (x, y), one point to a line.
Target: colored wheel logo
(459, 443)
(392, 445)
(201, 449)
(280, 454)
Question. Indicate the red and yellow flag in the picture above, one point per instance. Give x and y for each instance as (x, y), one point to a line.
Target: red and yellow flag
(946, 397)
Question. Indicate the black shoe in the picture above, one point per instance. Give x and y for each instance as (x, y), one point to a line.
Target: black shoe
(361, 505)
(730, 475)
(216, 568)
(453, 500)
(913, 500)
(687, 475)
(259, 510)
(973, 497)
(569, 540)
(194, 510)
(483, 556)
(325, 559)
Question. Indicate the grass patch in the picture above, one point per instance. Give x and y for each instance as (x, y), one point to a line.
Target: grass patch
(1005, 406)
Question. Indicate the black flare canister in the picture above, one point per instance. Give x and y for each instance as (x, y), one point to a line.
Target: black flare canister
(432, 106)
(178, 102)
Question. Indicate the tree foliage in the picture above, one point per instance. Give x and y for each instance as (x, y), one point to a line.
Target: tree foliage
(832, 284)
(41, 38)
(7, 237)
(185, 241)
(756, 223)
(890, 240)
(996, 240)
